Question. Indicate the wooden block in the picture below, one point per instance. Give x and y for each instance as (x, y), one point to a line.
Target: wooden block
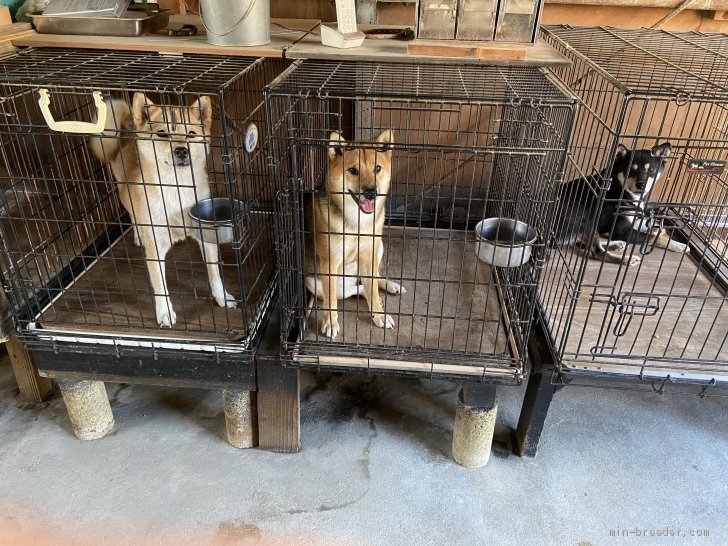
(445, 50)
(33, 387)
(513, 54)
(469, 50)
(279, 409)
(5, 18)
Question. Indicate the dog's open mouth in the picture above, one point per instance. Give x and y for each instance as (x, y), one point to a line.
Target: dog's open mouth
(367, 206)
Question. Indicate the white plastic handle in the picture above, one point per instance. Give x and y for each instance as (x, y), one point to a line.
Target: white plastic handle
(74, 126)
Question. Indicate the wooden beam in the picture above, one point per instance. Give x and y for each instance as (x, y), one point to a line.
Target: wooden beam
(33, 387)
(279, 408)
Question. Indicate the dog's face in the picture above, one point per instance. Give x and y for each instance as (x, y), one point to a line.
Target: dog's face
(639, 170)
(173, 135)
(360, 174)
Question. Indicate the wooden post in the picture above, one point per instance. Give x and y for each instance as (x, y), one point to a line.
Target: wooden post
(33, 387)
(539, 392)
(279, 408)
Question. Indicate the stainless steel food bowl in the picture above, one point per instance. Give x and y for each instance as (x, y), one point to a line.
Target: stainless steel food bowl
(213, 219)
(504, 242)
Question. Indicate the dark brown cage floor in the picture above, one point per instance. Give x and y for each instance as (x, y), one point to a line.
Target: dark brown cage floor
(114, 296)
(689, 323)
(452, 303)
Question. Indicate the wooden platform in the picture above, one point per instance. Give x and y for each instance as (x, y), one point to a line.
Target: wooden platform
(310, 47)
(298, 39)
(284, 33)
(458, 311)
(678, 313)
(115, 296)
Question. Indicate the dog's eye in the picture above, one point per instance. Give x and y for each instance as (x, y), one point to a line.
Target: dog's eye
(192, 133)
(353, 170)
(377, 169)
(162, 134)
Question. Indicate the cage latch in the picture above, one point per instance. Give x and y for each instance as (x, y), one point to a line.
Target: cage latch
(632, 304)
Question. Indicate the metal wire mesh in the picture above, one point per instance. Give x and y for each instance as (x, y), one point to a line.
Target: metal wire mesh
(89, 224)
(656, 313)
(430, 151)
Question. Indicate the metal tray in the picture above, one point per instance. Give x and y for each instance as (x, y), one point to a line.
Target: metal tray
(134, 23)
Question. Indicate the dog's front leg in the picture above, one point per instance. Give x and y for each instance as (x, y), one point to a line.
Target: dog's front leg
(614, 252)
(329, 269)
(211, 257)
(156, 244)
(663, 240)
(369, 265)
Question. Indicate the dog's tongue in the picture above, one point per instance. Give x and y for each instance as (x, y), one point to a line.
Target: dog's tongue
(367, 205)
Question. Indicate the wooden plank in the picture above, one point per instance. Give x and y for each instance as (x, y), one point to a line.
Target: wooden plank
(432, 48)
(279, 407)
(284, 33)
(5, 18)
(310, 47)
(114, 296)
(33, 387)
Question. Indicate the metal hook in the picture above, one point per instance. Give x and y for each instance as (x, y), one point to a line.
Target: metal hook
(705, 388)
(662, 387)
(682, 99)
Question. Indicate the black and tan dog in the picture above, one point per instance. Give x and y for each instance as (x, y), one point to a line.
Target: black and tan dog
(631, 179)
(344, 220)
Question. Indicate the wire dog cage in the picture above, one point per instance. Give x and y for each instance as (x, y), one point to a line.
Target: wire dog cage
(111, 159)
(654, 309)
(384, 172)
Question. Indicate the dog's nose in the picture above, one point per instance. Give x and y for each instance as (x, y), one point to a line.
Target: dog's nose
(370, 194)
(180, 152)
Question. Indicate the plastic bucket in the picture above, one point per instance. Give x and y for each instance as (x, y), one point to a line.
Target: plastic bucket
(236, 22)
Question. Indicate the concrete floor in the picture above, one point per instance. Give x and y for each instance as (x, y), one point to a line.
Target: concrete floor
(375, 469)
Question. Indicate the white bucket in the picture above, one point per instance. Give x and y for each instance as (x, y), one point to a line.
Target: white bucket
(236, 22)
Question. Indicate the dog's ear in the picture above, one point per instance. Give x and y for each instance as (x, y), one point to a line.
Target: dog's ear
(140, 110)
(386, 139)
(662, 150)
(201, 110)
(336, 144)
(622, 151)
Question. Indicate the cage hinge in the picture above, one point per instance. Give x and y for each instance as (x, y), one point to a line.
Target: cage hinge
(601, 349)
(633, 304)
(607, 299)
(574, 292)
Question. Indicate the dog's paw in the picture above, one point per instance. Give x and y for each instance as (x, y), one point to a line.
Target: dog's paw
(677, 246)
(616, 246)
(383, 321)
(166, 318)
(632, 260)
(226, 301)
(393, 288)
(330, 327)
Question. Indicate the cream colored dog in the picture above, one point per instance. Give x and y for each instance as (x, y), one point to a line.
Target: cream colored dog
(161, 172)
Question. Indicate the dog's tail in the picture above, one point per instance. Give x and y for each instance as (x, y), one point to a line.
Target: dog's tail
(118, 118)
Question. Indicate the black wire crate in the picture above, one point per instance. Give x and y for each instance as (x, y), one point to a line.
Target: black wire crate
(384, 172)
(636, 286)
(137, 208)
